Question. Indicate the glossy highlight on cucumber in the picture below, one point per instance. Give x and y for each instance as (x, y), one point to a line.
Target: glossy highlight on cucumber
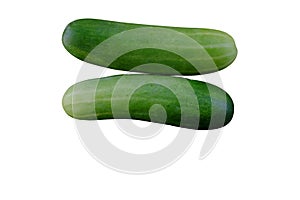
(162, 99)
(149, 49)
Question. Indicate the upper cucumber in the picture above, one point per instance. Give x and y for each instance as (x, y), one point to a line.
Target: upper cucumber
(150, 49)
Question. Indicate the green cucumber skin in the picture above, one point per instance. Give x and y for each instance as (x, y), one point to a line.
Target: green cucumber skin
(209, 108)
(80, 37)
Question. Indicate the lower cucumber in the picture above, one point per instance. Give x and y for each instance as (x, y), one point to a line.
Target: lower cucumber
(169, 100)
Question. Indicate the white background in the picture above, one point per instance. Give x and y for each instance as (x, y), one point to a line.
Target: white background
(257, 156)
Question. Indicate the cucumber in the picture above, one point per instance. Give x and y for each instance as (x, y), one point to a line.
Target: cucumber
(162, 99)
(149, 49)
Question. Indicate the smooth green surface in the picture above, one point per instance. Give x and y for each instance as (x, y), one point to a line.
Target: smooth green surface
(186, 103)
(124, 46)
